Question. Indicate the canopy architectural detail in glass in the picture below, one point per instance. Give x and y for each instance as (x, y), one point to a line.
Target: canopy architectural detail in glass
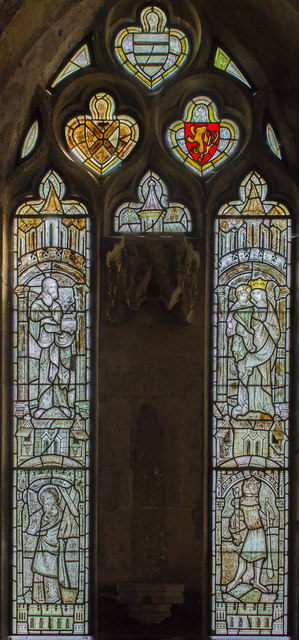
(153, 212)
(272, 140)
(251, 345)
(202, 141)
(152, 52)
(223, 61)
(30, 140)
(51, 413)
(78, 61)
(101, 140)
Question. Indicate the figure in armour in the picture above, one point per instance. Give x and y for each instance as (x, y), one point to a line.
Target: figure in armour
(246, 527)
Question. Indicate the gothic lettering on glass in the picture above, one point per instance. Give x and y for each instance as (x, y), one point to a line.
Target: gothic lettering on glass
(101, 140)
(202, 140)
(251, 413)
(152, 52)
(153, 212)
(51, 413)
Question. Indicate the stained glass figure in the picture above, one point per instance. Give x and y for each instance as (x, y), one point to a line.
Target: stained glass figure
(78, 61)
(101, 140)
(251, 347)
(30, 140)
(152, 52)
(201, 140)
(51, 413)
(272, 140)
(153, 212)
(225, 62)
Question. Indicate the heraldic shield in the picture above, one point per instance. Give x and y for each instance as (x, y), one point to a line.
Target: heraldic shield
(153, 51)
(101, 140)
(201, 140)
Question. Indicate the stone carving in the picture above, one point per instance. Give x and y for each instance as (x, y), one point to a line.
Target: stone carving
(154, 270)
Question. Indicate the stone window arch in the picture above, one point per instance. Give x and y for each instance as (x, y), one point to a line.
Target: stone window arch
(170, 277)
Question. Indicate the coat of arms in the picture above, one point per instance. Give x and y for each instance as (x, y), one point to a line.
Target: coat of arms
(151, 52)
(101, 140)
(201, 140)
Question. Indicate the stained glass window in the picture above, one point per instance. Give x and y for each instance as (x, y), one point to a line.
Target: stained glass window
(251, 345)
(153, 212)
(30, 139)
(272, 140)
(101, 140)
(51, 413)
(152, 52)
(223, 61)
(202, 141)
(78, 61)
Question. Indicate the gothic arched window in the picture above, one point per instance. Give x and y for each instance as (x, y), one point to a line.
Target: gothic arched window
(149, 125)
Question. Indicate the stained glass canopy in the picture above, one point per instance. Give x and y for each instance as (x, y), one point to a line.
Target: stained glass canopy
(153, 213)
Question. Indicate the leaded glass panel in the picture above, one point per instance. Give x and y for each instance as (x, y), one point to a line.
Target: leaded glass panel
(153, 213)
(202, 140)
(30, 140)
(51, 413)
(252, 279)
(78, 61)
(101, 140)
(272, 140)
(152, 52)
(225, 62)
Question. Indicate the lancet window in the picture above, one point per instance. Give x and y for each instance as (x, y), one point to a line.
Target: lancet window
(51, 413)
(251, 350)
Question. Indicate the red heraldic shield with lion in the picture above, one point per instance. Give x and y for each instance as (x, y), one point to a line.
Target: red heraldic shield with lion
(202, 140)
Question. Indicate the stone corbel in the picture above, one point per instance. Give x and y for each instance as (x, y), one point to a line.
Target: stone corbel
(153, 270)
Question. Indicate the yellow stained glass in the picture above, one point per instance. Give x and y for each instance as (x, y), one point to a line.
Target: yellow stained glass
(101, 140)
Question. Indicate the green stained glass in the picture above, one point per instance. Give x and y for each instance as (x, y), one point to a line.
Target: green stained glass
(51, 413)
(250, 387)
(78, 61)
(224, 62)
(272, 140)
(30, 140)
